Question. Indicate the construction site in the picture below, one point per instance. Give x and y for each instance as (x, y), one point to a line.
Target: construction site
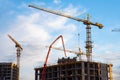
(73, 69)
(66, 68)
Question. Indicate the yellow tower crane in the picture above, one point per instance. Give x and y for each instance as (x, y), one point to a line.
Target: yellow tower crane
(19, 48)
(70, 51)
(85, 22)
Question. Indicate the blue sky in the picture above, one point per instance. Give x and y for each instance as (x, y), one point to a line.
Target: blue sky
(35, 29)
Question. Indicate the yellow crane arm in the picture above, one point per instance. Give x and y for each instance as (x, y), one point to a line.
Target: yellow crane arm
(100, 26)
(77, 53)
(16, 43)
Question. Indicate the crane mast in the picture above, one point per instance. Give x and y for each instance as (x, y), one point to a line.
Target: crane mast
(85, 22)
(19, 48)
(88, 41)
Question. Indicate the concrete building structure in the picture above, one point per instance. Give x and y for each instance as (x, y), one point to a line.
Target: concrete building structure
(8, 71)
(71, 69)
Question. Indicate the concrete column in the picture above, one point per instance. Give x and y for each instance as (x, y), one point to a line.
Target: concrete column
(88, 71)
(83, 71)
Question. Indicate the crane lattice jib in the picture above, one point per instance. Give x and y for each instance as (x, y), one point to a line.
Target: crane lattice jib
(86, 22)
(16, 43)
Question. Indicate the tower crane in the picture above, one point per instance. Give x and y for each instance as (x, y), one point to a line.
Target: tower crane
(70, 51)
(85, 22)
(19, 48)
(45, 63)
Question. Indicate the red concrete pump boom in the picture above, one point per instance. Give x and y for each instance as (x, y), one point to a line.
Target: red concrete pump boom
(45, 64)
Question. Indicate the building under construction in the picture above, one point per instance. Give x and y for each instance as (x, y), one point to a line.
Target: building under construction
(71, 69)
(8, 71)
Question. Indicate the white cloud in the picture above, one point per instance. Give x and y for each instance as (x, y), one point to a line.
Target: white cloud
(57, 1)
(74, 11)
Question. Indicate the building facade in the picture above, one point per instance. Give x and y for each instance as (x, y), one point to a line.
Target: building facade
(71, 69)
(8, 71)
